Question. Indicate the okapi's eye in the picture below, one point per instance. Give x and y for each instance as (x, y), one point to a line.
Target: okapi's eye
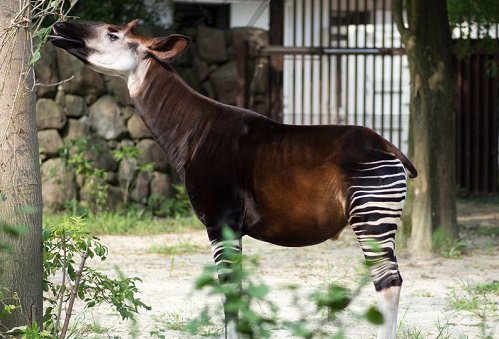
(112, 37)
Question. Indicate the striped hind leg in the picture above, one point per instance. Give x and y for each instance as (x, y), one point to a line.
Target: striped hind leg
(227, 260)
(376, 200)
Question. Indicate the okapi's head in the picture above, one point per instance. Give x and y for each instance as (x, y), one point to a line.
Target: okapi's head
(115, 49)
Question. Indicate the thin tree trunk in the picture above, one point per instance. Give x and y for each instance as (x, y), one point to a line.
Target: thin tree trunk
(427, 39)
(20, 188)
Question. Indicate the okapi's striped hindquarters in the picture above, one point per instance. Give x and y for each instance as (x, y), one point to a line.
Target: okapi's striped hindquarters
(376, 198)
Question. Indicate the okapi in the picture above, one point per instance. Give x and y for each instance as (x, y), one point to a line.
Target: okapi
(283, 184)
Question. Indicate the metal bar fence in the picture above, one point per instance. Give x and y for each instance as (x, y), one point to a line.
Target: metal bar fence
(354, 70)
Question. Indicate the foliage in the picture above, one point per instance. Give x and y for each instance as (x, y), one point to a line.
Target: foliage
(177, 207)
(181, 248)
(131, 153)
(446, 246)
(78, 154)
(75, 155)
(120, 11)
(66, 248)
(129, 222)
(242, 300)
(203, 326)
(477, 299)
(484, 13)
(11, 231)
(475, 20)
(9, 301)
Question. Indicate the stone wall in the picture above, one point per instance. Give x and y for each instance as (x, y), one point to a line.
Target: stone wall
(88, 105)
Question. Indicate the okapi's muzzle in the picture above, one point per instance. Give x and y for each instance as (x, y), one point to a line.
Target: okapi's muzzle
(68, 35)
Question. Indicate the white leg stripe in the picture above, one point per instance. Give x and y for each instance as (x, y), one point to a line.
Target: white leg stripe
(381, 161)
(381, 166)
(390, 205)
(399, 195)
(380, 176)
(369, 236)
(398, 182)
(380, 221)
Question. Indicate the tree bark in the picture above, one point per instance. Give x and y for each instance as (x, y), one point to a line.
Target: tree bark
(427, 40)
(20, 188)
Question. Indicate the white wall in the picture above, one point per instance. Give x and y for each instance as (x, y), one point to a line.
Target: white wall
(250, 13)
(253, 13)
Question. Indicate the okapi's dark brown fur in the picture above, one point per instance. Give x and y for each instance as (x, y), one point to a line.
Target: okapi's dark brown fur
(283, 184)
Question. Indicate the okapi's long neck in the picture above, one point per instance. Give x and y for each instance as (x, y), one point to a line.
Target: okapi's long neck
(177, 116)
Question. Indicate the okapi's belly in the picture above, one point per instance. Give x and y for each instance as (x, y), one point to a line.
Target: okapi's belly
(293, 223)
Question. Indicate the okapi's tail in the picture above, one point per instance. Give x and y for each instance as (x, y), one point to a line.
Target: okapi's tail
(406, 162)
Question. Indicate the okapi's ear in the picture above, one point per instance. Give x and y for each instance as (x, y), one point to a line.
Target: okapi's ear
(169, 48)
(131, 25)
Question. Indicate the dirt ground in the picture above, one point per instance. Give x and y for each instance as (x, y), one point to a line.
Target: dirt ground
(428, 289)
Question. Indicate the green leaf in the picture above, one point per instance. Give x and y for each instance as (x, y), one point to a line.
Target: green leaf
(204, 281)
(71, 272)
(15, 230)
(17, 330)
(374, 316)
(298, 329)
(35, 57)
(7, 310)
(336, 298)
(259, 291)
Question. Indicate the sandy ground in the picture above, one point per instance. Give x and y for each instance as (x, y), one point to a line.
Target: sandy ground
(425, 301)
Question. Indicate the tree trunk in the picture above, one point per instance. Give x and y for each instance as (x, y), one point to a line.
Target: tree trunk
(427, 39)
(20, 187)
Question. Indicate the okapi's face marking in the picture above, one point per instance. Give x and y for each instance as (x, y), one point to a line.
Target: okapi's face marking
(115, 49)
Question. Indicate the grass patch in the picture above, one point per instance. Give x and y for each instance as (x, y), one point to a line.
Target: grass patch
(487, 230)
(176, 322)
(130, 223)
(487, 288)
(447, 247)
(422, 295)
(181, 248)
(412, 332)
(480, 300)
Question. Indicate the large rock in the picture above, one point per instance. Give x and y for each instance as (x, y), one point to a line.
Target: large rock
(101, 155)
(115, 199)
(201, 68)
(140, 190)
(256, 37)
(137, 128)
(84, 82)
(46, 72)
(106, 119)
(226, 83)
(160, 185)
(75, 106)
(49, 142)
(76, 129)
(58, 185)
(151, 152)
(113, 202)
(126, 173)
(211, 44)
(49, 114)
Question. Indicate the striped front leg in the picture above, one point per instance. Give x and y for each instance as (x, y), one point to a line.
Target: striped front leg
(227, 256)
(376, 201)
